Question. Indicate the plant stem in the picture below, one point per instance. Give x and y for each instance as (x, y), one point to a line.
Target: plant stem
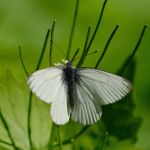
(29, 119)
(129, 59)
(51, 43)
(73, 138)
(51, 136)
(85, 50)
(94, 52)
(8, 131)
(106, 46)
(98, 24)
(75, 54)
(105, 141)
(72, 29)
(30, 94)
(22, 62)
(59, 137)
(43, 50)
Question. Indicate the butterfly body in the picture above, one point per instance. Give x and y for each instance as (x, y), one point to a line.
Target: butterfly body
(77, 93)
(71, 78)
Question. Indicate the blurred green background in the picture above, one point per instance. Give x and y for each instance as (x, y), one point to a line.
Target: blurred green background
(26, 22)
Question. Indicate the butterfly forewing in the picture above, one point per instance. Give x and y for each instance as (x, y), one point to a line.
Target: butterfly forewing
(105, 87)
(44, 83)
(49, 86)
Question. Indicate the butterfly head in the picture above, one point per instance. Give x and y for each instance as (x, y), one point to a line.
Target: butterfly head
(68, 63)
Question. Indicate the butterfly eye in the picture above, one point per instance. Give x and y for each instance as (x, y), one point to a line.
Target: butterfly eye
(67, 63)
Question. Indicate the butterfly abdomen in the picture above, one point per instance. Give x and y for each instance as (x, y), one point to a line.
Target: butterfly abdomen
(70, 78)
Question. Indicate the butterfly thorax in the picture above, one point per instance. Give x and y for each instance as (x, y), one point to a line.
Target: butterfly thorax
(71, 78)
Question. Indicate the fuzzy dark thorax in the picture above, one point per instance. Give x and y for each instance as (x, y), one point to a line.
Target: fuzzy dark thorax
(71, 79)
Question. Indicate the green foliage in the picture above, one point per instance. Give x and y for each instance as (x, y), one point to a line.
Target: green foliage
(25, 121)
(14, 106)
(120, 145)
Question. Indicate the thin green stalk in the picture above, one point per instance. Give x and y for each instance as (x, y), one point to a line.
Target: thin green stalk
(30, 98)
(98, 24)
(94, 52)
(59, 137)
(43, 50)
(51, 136)
(72, 29)
(73, 138)
(8, 130)
(30, 94)
(51, 43)
(129, 59)
(29, 119)
(85, 50)
(22, 62)
(106, 46)
(75, 54)
(104, 142)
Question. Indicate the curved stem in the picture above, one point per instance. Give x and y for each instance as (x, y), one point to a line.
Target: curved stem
(51, 136)
(129, 59)
(22, 62)
(8, 131)
(94, 52)
(72, 29)
(73, 138)
(85, 50)
(106, 46)
(30, 94)
(98, 24)
(59, 137)
(75, 54)
(29, 119)
(51, 43)
(43, 50)
(105, 141)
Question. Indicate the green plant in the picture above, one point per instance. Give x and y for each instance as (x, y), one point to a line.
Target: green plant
(102, 128)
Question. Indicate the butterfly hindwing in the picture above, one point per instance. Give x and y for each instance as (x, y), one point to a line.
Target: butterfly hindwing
(59, 108)
(85, 111)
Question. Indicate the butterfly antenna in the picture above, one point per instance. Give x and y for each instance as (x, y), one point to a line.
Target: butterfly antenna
(62, 52)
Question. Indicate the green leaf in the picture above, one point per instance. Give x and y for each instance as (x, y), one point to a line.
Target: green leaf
(115, 144)
(14, 106)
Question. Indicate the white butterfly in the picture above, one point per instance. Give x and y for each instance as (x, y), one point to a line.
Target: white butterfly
(77, 93)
